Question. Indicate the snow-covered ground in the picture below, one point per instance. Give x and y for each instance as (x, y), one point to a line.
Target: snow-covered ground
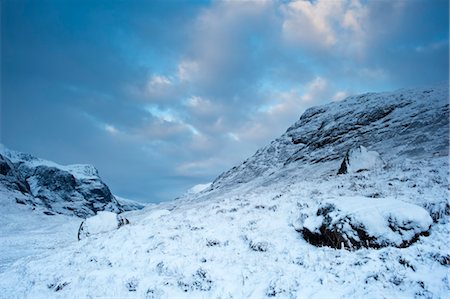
(25, 232)
(243, 245)
(239, 237)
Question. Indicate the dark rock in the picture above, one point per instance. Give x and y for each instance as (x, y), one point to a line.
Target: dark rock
(11, 178)
(70, 190)
(343, 169)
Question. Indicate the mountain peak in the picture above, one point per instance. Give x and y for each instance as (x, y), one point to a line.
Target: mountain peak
(395, 124)
(63, 189)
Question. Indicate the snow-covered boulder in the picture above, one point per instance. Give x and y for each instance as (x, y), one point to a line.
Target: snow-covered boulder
(360, 159)
(101, 223)
(357, 222)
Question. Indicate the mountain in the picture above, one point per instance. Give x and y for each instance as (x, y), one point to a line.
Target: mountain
(75, 190)
(352, 201)
(405, 124)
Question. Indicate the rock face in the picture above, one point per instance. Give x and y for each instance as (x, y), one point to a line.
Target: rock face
(10, 178)
(70, 190)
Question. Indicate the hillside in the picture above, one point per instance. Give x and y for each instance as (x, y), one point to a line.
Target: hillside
(74, 190)
(284, 223)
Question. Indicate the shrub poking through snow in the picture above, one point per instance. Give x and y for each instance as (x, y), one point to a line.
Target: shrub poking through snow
(199, 281)
(357, 222)
(101, 223)
(259, 246)
(360, 159)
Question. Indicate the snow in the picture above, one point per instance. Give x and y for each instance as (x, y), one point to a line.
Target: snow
(25, 232)
(312, 223)
(241, 244)
(362, 159)
(79, 171)
(239, 238)
(198, 188)
(101, 223)
(376, 213)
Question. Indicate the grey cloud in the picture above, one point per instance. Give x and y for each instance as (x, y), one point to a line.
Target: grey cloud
(163, 95)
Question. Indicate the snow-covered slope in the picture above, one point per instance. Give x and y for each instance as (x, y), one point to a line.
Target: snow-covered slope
(405, 124)
(53, 188)
(25, 232)
(243, 236)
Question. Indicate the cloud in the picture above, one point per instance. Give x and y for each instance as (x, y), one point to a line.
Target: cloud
(164, 95)
(188, 70)
(315, 90)
(325, 24)
(339, 96)
(111, 129)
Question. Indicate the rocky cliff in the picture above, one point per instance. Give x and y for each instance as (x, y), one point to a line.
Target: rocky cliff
(71, 190)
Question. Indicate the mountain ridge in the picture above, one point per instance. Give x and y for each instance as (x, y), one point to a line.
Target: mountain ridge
(315, 133)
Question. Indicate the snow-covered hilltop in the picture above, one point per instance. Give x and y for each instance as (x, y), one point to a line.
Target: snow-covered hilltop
(69, 190)
(284, 223)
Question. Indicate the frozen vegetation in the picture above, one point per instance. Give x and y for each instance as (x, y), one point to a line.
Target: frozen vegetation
(283, 224)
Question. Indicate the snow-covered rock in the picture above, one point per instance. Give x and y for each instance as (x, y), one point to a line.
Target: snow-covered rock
(101, 223)
(360, 159)
(69, 190)
(357, 222)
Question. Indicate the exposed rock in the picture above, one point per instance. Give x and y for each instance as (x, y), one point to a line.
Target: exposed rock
(70, 190)
(10, 178)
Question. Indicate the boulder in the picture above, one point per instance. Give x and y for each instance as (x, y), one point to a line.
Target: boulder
(359, 222)
(360, 159)
(101, 223)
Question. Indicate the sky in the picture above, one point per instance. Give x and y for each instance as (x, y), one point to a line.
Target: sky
(162, 95)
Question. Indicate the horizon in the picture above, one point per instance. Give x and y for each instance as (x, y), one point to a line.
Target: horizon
(160, 96)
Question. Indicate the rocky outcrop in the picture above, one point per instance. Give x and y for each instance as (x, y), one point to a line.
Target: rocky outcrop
(70, 190)
(10, 178)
